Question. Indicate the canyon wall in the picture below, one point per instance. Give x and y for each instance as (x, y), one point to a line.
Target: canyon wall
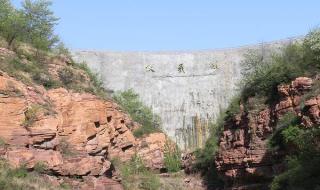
(188, 100)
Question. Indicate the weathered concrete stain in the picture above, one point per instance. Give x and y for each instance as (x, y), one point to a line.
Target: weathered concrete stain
(186, 101)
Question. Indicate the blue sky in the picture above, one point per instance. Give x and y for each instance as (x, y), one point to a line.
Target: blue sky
(152, 25)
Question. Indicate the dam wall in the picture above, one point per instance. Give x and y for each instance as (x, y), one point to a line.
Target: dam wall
(187, 89)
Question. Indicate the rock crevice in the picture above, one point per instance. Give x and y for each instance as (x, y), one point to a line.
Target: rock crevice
(244, 160)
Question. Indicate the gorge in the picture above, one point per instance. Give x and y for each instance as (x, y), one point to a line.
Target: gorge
(245, 118)
(187, 102)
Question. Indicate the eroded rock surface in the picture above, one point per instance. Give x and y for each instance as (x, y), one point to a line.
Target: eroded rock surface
(73, 134)
(243, 158)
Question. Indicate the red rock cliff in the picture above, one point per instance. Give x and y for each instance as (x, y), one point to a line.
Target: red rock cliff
(74, 134)
(243, 159)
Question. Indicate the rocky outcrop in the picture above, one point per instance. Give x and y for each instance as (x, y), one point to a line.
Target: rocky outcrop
(243, 159)
(151, 149)
(75, 135)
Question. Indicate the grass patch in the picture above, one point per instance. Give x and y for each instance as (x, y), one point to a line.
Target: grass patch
(65, 186)
(135, 176)
(34, 43)
(29, 72)
(96, 83)
(12, 90)
(21, 179)
(31, 69)
(40, 167)
(2, 143)
(172, 157)
(68, 76)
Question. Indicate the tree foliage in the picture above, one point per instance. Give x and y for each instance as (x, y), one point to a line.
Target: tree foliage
(33, 23)
(262, 76)
(40, 22)
(302, 161)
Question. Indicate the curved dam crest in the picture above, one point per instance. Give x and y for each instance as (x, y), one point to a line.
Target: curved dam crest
(185, 101)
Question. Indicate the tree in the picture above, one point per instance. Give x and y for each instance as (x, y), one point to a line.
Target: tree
(12, 22)
(5, 9)
(33, 24)
(40, 24)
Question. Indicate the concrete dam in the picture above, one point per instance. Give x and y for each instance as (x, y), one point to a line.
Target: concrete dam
(188, 99)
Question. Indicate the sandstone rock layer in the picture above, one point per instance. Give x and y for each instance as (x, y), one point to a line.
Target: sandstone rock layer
(72, 134)
(244, 160)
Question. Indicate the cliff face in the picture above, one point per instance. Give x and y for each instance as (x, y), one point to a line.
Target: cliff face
(186, 101)
(75, 135)
(244, 159)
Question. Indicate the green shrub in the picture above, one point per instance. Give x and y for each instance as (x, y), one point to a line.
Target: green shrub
(29, 32)
(20, 172)
(303, 154)
(15, 68)
(67, 76)
(314, 92)
(129, 101)
(46, 81)
(31, 115)
(233, 108)
(65, 185)
(135, 176)
(288, 119)
(2, 143)
(61, 49)
(149, 182)
(291, 134)
(205, 163)
(94, 77)
(264, 76)
(302, 164)
(276, 141)
(21, 179)
(312, 45)
(95, 80)
(17, 65)
(74, 80)
(65, 148)
(172, 157)
(28, 72)
(205, 156)
(40, 167)
(255, 104)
